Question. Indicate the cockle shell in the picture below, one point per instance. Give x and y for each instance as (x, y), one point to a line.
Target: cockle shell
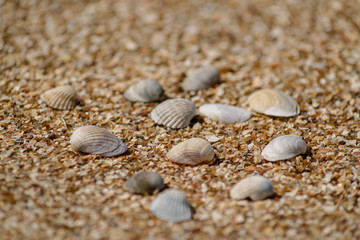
(145, 183)
(224, 113)
(95, 140)
(171, 205)
(203, 77)
(284, 147)
(144, 91)
(256, 188)
(62, 98)
(273, 103)
(192, 152)
(174, 113)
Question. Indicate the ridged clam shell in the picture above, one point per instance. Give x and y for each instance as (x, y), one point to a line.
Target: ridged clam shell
(145, 183)
(62, 98)
(95, 140)
(192, 152)
(201, 78)
(224, 113)
(256, 188)
(171, 205)
(174, 113)
(284, 147)
(144, 91)
(273, 103)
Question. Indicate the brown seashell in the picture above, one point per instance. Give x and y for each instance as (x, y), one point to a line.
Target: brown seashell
(62, 98)
(145, 183)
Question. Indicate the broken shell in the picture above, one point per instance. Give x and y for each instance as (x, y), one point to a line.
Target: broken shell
(224, 113)
(273, 103)
(171, 205)
(145, 183)
(256, 188)
(192, 152)
(284, 147)
(95, 140)
(62, 98)
(203, 77)
(144, 91)
(174, 113)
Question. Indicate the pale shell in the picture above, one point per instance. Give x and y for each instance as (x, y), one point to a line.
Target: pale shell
(95, 140)
(172, 205)
(144, 183)
(256, 188)
(193, 151)
(62, 98)
(224, 113)
(273, 103)
(284, 147)
(174, 113)
(201, 78)
(144, 91)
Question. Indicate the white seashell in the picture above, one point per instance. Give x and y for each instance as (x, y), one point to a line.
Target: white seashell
(95, 140)
(192, 152)
(62, 98)
(174, 113)
(256, 188)
(224, 113)
(144, 91)
(145, 183)
(273, 103)
(284, 147)
(171, 205)
(203, 77)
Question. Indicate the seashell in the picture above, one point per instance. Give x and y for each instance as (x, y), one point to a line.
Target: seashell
(273, 103)
(144, 91)
(192, 152)
(203, 77)
(174, 113)
(144, 183)
(256, 188)
(95, 140)
(224, 113)
(62, 98)
(171, 205)
(284, 147)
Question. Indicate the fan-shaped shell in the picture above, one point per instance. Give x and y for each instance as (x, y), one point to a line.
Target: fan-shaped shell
(144, 91)
(256, 188)
(203, 77)
(145, 183)
(192, 152)
(284, 147)
(273, 103)
(174, 113)
(171, 205)
(62, 98)
(95, 140)
(224, 113)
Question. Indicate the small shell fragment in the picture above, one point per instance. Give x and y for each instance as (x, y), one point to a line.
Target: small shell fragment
(192, 152)
(284, 147)
(201, 78)
(95, 140)
(172, 205)
(273, 103)
(256, 188)
(224, 113)
(174, 113)
(62, 98)
(145, 182)
(144, 91)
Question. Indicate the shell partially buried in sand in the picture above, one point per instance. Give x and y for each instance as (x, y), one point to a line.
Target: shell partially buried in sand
(201, 78)
(256, 188)
(144, 91)
(224, 113)
(61, 98)
(145, 182)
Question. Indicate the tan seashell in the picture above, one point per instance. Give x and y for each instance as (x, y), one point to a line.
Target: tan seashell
(201, 78)
(145, 183)
(192, 152)
(144, 91)
(62, 98)
(273, 103)
(256, 188)
(174, 113)
(284, 147)
(225, 113)
(95, 140)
